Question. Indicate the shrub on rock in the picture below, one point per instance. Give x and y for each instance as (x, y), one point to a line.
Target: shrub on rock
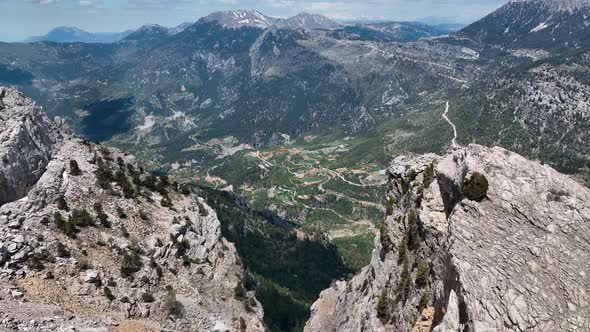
(475, 187)
(74, 168)
(130, 264)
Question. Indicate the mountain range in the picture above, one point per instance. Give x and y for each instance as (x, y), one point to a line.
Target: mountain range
(239, 18)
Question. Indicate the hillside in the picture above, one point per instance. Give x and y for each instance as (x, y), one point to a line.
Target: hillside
(89, 234)
(534, 24)
(476, 240)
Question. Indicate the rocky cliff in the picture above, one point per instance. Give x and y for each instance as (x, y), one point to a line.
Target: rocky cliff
(90, 240)
(480, 240)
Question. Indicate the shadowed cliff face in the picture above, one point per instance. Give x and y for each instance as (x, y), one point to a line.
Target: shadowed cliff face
(452, 264)
(27, 140)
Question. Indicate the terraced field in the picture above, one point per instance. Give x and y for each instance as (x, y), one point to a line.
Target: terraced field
(330, 186)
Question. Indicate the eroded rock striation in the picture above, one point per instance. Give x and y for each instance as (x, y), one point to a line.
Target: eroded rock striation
(515, 261)
(90, 240)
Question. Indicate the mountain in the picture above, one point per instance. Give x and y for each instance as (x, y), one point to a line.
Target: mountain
(150, 35)
(94, 241)
(224, 76)
(73, 34)
(401, 31)
(470, 241)
(534, 24)
(308, 22)
(537, 109)
(253, 18)
(449, 27)
(240, 18)
(287, 133)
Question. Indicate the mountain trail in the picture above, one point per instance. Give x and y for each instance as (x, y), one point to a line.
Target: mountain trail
(445, 116)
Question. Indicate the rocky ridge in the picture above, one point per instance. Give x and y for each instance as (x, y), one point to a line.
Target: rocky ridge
(515, 261)
(240, 18)
(90, 240)
(533, 24)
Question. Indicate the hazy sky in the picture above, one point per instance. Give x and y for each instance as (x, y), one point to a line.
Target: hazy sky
(23, 18)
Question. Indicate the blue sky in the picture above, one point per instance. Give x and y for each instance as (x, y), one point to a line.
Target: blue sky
(23, 18)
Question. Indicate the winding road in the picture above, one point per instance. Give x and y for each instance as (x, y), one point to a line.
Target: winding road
(337, 174)
(446, 117)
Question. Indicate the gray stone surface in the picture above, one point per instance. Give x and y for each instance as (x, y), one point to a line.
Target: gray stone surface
(517, 261)
(204, 278)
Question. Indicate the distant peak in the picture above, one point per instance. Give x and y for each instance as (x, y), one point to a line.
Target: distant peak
(306, 20)
(68, 29)
(306, 14)
(151, 26)
(240, 17)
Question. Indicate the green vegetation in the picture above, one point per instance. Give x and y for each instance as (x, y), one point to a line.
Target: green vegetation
(121, 213)
(61, 203)
(66, 226)
(74, 168)
(414, 237)
(36, 262)
(404, 283)
(103, 218)
(476, 187)
(147, 297)
(422, 273)
(385, 305)
(423, 302)
(402, 250)
(181, 247)
(62, 251)
(103, 174)
(108, 293)
(356, 250)
(429, 175)
(287, 272)
(130, 263)
(81, 218)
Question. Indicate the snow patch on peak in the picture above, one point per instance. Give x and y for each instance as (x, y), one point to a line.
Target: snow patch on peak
(239, 18)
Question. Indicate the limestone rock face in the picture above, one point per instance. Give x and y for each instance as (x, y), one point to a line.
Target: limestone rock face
(107, 244)
(27, 140)
(516, 261)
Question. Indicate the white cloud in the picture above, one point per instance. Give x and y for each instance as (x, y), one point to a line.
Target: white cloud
(326, 5)
(42, 2)
(281, 3)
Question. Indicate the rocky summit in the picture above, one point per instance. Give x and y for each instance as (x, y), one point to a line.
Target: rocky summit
(480, 240)
(91, 242)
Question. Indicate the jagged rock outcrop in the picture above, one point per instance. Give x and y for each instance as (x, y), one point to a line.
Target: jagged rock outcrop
(91, 235)
(515, 261)
(27, 141)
